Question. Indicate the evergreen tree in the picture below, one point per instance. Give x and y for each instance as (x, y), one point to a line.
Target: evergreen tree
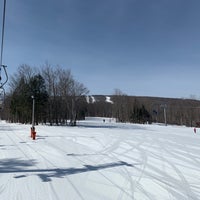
(140, 115)
(38, 90)
(20, 103)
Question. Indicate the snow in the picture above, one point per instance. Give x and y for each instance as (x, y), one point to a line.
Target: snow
(87, 99)
(93, 99)
(99, 159)
(108, 100)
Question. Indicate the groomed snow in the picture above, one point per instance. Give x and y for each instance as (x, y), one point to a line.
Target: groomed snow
(99, 160)
(108, 100)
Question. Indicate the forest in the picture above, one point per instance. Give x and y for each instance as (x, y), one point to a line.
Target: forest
(136, 109)
(62, 100)
(57, 96)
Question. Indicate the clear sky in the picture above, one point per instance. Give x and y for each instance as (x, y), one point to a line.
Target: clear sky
(142, 47)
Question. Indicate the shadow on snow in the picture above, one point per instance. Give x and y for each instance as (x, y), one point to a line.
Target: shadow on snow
(21, 166)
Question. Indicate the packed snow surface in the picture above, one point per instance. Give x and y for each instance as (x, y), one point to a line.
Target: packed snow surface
(99, 160)
(108, 100)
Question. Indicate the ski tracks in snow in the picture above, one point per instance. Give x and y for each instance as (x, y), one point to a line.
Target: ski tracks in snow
(30, 155)
(168, 154)
(118, 165)
(105, 155)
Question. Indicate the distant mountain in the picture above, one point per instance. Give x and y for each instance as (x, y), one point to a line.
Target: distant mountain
(144, 100)
(176, 110)
(99, 98)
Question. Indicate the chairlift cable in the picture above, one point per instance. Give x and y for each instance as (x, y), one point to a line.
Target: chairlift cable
(2, 42)
(2, 39)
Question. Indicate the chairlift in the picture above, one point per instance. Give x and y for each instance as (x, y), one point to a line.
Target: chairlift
(6, 77)
(2, 97)
(3, 82)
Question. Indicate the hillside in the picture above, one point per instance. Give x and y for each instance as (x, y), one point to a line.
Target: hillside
(146, 99)
(124, 108)
(178, 111)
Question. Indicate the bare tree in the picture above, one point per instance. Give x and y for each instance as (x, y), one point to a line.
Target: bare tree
(51, 81)
(120, 106)
(78, 90)
(64, 92)
(65, 82)
(24, 72)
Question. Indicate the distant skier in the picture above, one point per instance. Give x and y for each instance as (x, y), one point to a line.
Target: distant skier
(195, 130)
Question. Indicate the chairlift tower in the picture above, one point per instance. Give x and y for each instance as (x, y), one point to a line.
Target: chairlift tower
(2, 66)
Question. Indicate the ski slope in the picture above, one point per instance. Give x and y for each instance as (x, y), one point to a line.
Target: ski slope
(99, 161)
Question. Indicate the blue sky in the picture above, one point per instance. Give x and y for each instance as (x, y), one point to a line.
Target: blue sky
(142, 47)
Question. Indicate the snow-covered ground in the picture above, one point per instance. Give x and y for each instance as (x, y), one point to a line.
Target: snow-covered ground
(99, 161)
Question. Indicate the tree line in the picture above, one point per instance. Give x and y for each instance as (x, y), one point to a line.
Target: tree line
(58, 96)
(124, 108)
(60, 99)
(142, 110)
